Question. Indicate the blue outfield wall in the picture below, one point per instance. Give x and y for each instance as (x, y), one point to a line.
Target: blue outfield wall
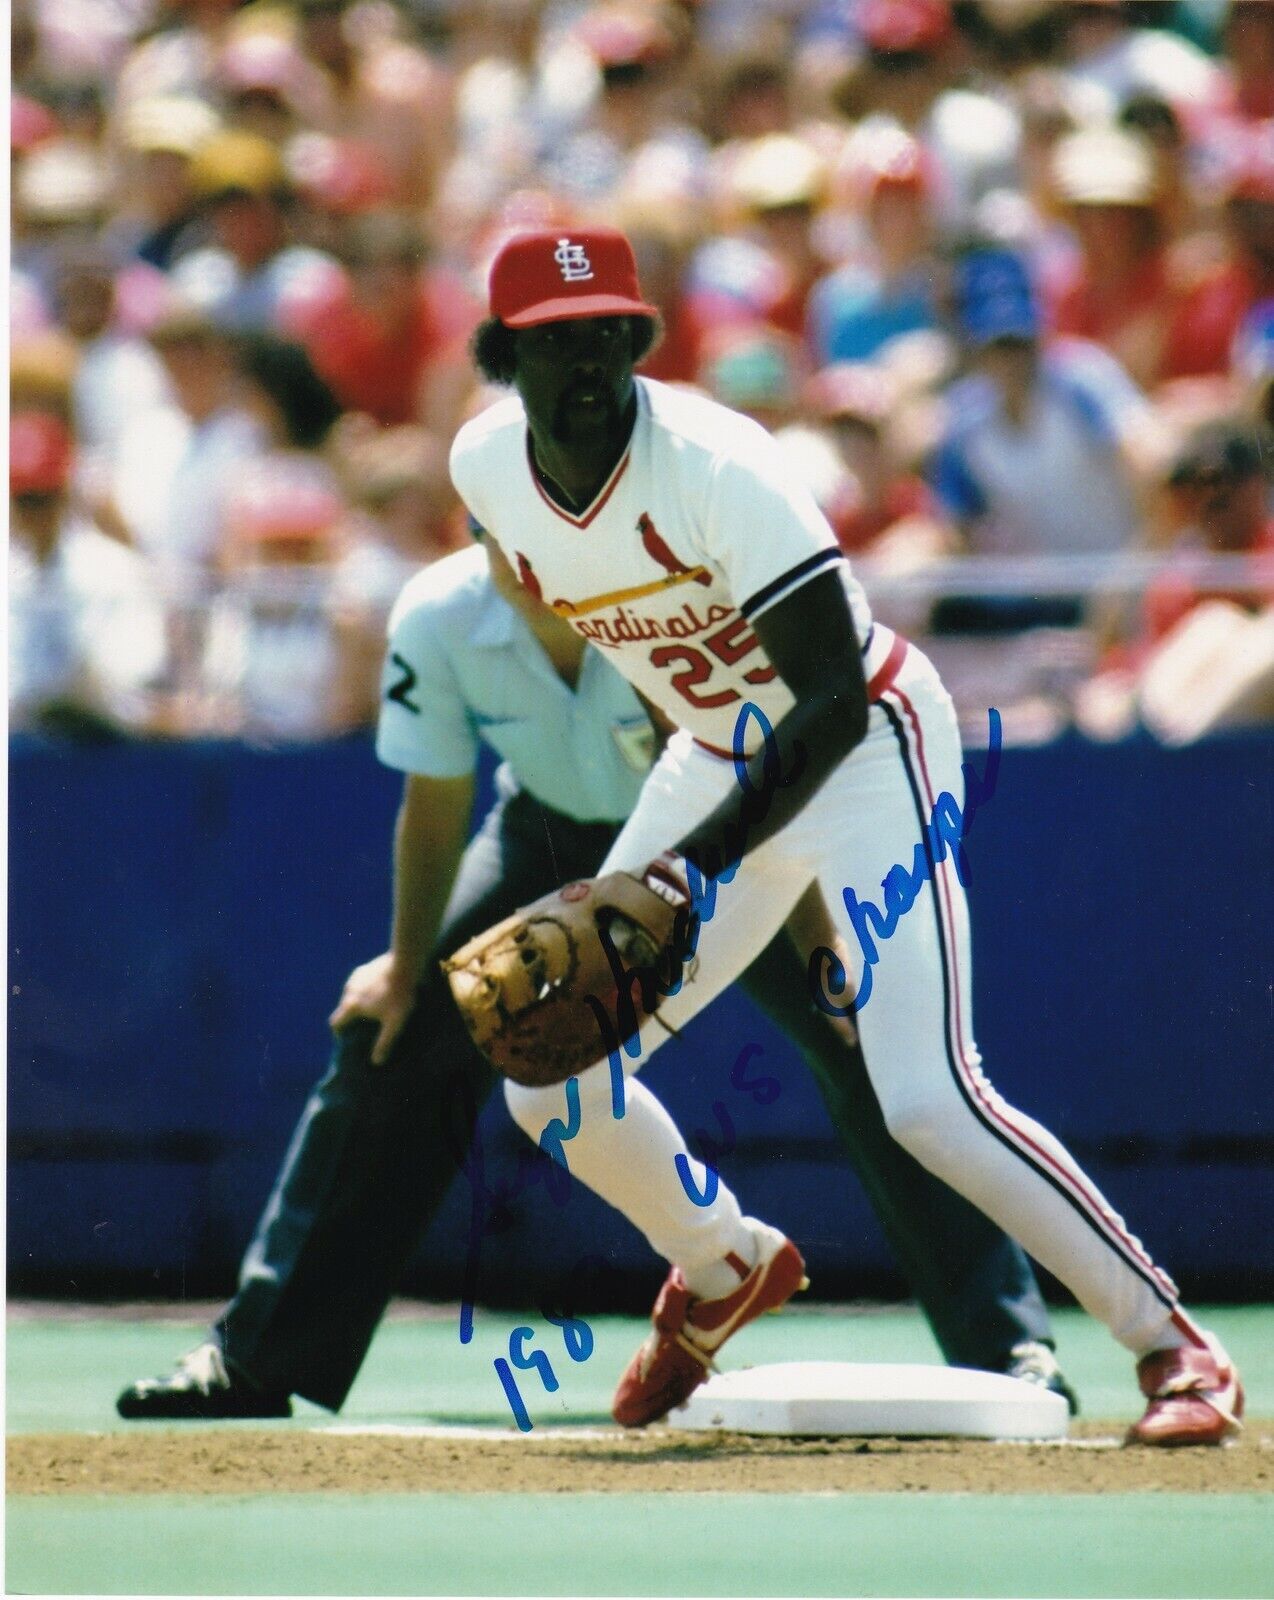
(182, 917)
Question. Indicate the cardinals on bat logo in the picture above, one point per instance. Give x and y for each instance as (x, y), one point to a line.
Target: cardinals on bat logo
(658, 551)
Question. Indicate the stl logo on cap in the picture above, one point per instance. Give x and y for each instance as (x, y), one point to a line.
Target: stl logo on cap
(572, 259)
(533, 272)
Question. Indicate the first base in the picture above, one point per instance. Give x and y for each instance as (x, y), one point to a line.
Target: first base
(822, 1398)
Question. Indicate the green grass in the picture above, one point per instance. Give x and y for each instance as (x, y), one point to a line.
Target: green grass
(892, 1544)
(63, 1376)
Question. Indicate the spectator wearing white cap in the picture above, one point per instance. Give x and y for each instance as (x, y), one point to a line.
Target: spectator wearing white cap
(1118, 291)
(159, 213)
(62, 191)
(1112, 58)
(766, 263)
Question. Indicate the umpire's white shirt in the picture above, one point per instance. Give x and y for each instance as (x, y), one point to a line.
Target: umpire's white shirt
(463, 666)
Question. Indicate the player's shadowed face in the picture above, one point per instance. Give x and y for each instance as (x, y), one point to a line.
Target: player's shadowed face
(576, 379)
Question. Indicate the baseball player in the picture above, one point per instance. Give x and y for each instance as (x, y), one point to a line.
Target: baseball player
(662, 527)
(381, 1139)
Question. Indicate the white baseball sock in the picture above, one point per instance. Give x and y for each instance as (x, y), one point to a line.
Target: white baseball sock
(633, 1164)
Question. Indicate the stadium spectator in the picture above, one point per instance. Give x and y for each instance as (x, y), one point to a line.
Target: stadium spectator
(749, 97)
(1118, 292)
(880, 505)
(663, 222)
(1035, 456)
(391, 336)
(279, 387)
(179, 57)
(61, 195)
(1254, 364)
(263, 82)
(859, 307)
(776, 186)
(405, 504)
(86, 636)
(635, 112)
(1221, 480)
(405, 515)
(753, 369)
(1200, 337)
(1203, 658)
(279, 663)
(118, 377)
(159, 216)
(251, 272)
(175, 470)
(908, 48)
(1248, 40)
(377, 87)
(1112, 58)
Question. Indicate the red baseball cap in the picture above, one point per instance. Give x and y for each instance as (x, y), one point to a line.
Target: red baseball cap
(283, 499)
(559, 274)
(890, 26)
(623, 36)
(39, 453)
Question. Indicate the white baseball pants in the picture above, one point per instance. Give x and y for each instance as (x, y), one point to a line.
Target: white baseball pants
(916, 1025)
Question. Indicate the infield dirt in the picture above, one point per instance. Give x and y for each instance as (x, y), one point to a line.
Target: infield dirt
(241, 1461)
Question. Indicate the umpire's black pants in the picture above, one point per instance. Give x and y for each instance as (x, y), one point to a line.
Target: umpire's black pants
(377, 1148)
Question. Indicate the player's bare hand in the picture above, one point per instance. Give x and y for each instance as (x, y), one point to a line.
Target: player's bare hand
(379, 991)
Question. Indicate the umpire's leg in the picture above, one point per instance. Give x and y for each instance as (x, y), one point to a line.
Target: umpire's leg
(973, 1283)
(377, 1147)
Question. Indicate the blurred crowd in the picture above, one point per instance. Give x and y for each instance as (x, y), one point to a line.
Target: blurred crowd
(999, 274)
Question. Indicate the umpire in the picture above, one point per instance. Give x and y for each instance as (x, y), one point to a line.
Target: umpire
(472, 655)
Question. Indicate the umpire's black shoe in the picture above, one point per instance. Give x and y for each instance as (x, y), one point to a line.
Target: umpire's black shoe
(1034, 1362)
(200, 1389)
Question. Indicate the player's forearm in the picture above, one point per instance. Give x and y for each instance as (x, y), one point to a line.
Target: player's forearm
(793, 763)
(809, 638)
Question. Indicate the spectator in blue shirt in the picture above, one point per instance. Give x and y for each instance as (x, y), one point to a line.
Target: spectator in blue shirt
(1035, 457)
(862, 305)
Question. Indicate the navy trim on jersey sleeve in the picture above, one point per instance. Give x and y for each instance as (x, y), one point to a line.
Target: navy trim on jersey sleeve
(790, 580)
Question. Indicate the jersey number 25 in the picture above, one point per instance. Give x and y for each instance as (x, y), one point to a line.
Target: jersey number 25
(730, 645)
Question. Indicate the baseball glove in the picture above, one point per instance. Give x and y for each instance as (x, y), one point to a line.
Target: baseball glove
(522, 985)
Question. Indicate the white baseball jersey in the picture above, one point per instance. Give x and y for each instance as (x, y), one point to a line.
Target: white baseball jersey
(697, 531)
(694, 534)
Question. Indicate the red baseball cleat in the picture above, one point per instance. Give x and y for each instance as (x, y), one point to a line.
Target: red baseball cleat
(1195, 1396)
(677, 1356)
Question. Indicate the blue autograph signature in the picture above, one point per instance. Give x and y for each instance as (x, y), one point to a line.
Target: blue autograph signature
(764, 1091)
(490, 1206)
(946, 831)
(577, 1339)
(703, 876)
